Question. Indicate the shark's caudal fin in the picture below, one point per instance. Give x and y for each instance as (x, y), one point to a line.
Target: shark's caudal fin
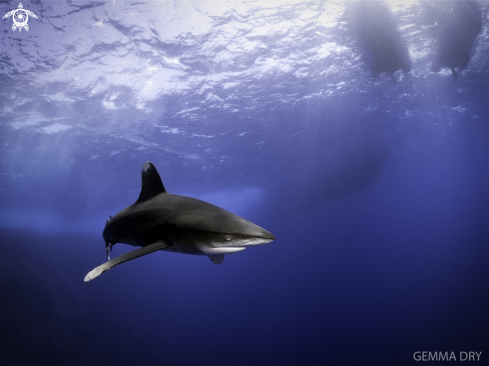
(151, 183)
(124, 258)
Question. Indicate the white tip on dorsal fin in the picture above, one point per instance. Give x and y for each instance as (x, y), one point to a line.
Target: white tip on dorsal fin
(151, 183)
(217, 259)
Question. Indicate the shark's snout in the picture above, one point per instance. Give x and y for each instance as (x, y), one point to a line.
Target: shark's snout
(265, 235)
(258, 237)
(268, 235)
(263, 238)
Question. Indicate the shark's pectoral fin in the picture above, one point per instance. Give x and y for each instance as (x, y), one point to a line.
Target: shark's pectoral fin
(217, 259)
(124, 258)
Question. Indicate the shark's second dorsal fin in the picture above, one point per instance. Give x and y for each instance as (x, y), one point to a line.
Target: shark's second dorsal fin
(151, 183)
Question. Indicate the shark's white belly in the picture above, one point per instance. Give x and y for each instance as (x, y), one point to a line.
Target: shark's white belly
(202, 249)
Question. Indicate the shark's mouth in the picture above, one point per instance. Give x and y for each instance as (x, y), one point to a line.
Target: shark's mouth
(234, 247)
(222, 250)
(243, 243)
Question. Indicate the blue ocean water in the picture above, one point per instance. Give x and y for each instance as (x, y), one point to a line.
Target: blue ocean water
(356, 132)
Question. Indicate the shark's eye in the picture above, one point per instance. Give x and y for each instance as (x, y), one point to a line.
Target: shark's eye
(227, 237)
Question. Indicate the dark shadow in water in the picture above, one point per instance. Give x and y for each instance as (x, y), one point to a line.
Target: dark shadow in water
(320, 176)
(347, 173)
(44, 320)
(458, 23)
(380, 44)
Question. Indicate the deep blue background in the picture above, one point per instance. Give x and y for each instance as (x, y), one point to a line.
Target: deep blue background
(376, 191)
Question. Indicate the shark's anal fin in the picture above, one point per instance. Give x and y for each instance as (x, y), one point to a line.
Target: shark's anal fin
(124, 258)
(217, 258)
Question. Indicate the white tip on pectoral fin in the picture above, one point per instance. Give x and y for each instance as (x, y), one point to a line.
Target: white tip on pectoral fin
(124, 258)
(217, 259)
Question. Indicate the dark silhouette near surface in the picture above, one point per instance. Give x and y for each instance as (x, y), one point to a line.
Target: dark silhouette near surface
(458, 25)
(379, 40)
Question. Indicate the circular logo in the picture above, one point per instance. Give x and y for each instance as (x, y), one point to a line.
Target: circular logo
(20, 18)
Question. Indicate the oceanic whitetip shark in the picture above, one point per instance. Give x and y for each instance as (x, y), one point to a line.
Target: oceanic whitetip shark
(163, 221)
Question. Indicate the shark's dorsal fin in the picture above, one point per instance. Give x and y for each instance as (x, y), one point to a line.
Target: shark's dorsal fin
(151, 183)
